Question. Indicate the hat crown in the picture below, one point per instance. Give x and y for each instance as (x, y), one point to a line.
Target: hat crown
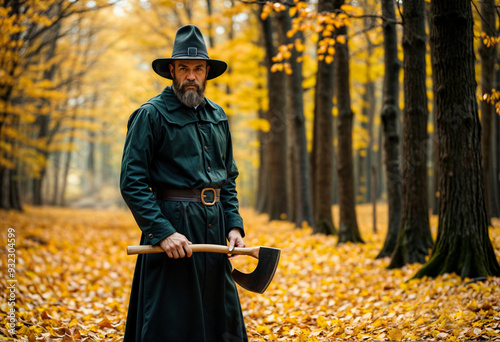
(189, 43)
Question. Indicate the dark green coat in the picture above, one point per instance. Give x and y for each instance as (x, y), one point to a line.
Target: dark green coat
(172, 146)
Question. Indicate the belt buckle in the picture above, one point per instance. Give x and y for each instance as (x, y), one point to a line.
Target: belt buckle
(202, 196)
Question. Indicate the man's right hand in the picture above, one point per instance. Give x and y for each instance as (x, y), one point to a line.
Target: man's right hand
(176, 246)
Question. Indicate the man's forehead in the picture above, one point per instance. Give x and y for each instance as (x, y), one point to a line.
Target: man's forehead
(190, 62)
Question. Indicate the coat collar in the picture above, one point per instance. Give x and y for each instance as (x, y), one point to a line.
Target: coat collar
(176, 113)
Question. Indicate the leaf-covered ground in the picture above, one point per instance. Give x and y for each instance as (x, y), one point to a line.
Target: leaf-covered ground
(73, 279)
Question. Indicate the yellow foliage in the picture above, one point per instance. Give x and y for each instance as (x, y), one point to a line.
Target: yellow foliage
(260, 125)
(74, 280)
(341, 39)
(493, 98)
(352, 10)
(489, 41)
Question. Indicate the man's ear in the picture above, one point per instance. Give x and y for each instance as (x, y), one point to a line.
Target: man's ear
(208, 69)
(171, 68)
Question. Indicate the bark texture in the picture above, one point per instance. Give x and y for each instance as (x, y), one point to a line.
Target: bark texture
(488, 58)
(322, 156)
(414, 238)
(299, 179)
(463, 245)
(390, 115)
(276, 149)
(348, 226)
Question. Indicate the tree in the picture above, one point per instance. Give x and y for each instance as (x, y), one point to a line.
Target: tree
(300, 206)
(366, 118)
(28, 92)
(390, 118)
(414, 239)
(322, 150)
(463, 245)
(276, 149)
(348, 226)
(488, 53)
(10, 59)
(43, 120)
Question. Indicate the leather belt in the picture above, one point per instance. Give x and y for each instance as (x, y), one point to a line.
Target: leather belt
(188, 195)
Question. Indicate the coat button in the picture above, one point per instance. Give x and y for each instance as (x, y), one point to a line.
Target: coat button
(206, 148)
(209, 169)
(209, 225)
(151, 236)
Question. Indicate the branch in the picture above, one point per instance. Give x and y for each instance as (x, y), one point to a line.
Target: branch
(45, 43)
(365, 30)
(337, 11)
(481, 16)
(65, 13)
(375, 16)
(263, 2)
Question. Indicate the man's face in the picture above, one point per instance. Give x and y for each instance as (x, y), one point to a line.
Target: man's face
(189, 78)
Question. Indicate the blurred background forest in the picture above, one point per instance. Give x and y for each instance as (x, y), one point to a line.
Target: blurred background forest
(315, 93)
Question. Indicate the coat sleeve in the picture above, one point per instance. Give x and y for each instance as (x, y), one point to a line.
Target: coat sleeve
(228, 192)
(135, 182)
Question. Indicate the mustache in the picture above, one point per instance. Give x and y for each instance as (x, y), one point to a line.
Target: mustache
(190, 83)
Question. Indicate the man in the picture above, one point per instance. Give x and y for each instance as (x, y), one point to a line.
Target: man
(178, 179)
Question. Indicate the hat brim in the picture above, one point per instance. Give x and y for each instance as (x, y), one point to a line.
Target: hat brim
(217, 67)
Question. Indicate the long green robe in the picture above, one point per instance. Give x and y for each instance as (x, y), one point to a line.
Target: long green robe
(169, 145)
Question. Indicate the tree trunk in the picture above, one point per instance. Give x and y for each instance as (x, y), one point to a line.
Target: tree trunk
(463, 245)
(488, 57)
(300, 182)
(67, 165)
(434, 189)
(390, 118)
(44, 120)
(14, 193)
(10, 195)
(261, 203)
(365, 154)
(322, 154)
(348, 226)
(495, 155)
(414, 238)
(55, 190)
(495, 160)
(365, 159)
(276, 142)
(9, 200)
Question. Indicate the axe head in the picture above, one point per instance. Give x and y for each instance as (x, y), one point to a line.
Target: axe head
(261, 277)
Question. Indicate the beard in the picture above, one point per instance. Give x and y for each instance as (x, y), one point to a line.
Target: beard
(189, 97)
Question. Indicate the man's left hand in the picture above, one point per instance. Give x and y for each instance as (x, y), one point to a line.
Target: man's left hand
(235, 240)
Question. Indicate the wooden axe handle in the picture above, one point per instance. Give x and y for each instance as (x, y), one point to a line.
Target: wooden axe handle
(146, 249)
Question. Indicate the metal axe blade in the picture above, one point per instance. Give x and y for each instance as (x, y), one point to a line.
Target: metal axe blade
(256, 281)
(261, 277)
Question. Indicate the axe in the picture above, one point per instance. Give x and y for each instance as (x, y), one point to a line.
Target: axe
(256, 281)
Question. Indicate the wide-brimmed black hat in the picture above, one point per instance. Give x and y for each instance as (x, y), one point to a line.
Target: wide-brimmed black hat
(189, 44)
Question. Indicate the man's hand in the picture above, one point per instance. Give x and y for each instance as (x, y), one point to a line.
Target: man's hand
(176, 246)
(235, 240)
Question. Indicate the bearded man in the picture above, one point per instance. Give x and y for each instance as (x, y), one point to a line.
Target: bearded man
(178, 179)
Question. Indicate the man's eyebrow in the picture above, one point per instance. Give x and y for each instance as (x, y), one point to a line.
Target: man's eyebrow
(196, 66)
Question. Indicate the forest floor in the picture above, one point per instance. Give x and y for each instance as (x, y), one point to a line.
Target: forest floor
(73, 276)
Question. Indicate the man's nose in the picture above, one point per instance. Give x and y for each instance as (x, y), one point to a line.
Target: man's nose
(190, 76)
